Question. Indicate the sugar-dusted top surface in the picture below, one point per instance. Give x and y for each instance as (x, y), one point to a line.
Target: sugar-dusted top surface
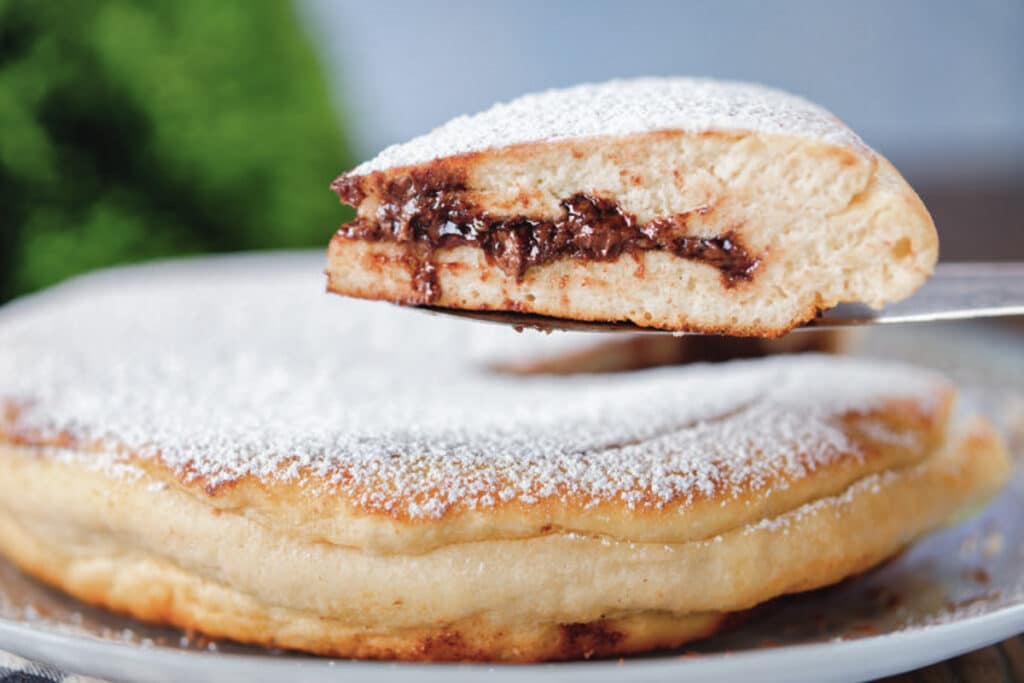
(239, 366)
(623, 107)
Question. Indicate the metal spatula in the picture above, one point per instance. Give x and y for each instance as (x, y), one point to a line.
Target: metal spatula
(957, 291)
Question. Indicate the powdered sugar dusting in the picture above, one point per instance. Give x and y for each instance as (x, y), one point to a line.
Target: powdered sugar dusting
(223, 368)
(623, 107)
(874, 484)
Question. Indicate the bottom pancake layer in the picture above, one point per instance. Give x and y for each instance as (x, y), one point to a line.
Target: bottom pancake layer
(653, 289)
(165, 555)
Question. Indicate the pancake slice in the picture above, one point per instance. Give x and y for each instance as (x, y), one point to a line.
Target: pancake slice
(679, 204)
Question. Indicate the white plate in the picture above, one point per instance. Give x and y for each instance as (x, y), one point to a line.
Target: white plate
(953, 592)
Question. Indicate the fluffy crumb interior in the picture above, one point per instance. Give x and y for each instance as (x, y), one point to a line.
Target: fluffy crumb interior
(827, 225)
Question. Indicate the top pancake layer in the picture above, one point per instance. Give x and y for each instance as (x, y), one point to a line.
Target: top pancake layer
(623, 107)
(226, 371)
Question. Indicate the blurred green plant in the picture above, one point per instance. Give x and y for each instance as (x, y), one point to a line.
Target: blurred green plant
(131, 130)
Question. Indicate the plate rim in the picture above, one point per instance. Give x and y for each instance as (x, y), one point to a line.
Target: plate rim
(887, 653)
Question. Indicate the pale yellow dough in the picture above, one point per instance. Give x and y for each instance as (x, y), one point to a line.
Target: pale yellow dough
(163, 554)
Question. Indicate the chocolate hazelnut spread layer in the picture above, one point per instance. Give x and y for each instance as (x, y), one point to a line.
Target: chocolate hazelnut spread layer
(431, 212)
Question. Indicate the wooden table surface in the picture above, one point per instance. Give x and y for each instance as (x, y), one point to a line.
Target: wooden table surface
(1001, 663)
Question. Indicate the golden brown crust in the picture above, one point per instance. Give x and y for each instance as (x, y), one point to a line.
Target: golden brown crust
(159, 593)
(894, 434)
(101, 553)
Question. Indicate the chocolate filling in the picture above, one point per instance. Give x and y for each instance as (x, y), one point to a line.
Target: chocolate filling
(430, 212)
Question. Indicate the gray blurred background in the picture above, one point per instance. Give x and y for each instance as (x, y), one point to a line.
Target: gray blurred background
(938, 87)
(142, 130)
